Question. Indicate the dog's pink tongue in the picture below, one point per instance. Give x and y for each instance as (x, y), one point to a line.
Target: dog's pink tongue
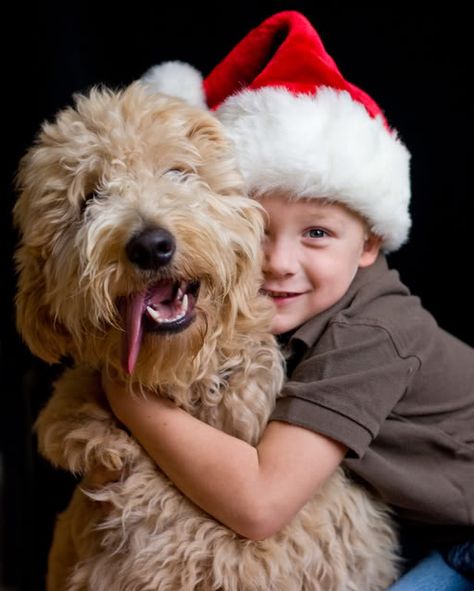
(133, 331)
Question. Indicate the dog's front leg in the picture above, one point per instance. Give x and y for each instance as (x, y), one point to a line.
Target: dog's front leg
(78, 432)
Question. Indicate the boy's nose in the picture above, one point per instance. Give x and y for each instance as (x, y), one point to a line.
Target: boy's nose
(279, 260)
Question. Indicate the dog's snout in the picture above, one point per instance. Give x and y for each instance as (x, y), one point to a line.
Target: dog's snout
(152, 248)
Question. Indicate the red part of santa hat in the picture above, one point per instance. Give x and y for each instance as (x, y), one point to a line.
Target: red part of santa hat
(284, 51)
(299, 126)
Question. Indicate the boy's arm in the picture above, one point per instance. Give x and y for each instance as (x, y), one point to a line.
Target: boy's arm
(254, 491)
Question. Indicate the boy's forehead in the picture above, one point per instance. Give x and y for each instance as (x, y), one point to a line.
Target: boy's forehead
(321, 206)
(282, 208)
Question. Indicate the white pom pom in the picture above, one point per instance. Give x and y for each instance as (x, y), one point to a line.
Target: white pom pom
(176, 79)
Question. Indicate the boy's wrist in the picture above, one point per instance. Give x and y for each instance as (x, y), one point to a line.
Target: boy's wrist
(131, 407)
(118, 395)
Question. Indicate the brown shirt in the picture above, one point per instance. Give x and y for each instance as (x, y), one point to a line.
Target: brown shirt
(376, 373)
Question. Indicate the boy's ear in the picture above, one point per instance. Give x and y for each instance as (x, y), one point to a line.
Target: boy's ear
(370, 250)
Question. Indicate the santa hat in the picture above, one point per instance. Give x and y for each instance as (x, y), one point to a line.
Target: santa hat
(299, 126)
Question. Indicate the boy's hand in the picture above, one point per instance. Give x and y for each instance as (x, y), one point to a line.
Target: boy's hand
(126, 404)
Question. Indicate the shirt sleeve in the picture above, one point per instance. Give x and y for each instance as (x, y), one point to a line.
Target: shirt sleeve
(347, 385)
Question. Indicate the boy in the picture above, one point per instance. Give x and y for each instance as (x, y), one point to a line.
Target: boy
(373, 382)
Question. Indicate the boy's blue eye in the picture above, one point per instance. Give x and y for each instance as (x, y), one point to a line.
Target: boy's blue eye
(316, 233)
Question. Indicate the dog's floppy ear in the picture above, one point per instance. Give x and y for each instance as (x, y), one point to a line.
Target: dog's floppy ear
(45, 336)
(37, 185)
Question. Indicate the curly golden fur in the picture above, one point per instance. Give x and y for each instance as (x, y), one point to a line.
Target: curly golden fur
(107, 176)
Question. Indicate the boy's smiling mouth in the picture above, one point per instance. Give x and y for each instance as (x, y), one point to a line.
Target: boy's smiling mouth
(280, 295)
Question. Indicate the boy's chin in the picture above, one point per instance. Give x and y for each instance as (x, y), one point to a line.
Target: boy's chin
(280, 326)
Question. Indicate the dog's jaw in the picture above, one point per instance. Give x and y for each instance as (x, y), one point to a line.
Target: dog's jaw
(165, 307)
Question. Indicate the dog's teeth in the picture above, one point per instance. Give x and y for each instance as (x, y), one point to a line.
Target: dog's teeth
(179, 295)
(184, 304)
(159, 320)
(153, 313)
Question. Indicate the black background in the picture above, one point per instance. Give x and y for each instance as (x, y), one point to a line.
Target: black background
(415, 62)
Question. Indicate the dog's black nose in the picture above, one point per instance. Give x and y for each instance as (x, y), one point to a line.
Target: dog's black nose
(151, 249)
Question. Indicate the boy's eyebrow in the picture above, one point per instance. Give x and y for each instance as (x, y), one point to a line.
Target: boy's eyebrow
(321, 216)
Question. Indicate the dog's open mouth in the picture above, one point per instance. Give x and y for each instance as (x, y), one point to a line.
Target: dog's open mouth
(166, 306)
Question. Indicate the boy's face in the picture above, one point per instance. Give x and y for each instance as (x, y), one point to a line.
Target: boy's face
(312, 252)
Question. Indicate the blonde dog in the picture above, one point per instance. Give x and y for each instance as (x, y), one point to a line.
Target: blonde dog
(140, 255)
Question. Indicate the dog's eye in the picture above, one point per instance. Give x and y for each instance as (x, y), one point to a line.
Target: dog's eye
(176, 172)
(176, 169)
